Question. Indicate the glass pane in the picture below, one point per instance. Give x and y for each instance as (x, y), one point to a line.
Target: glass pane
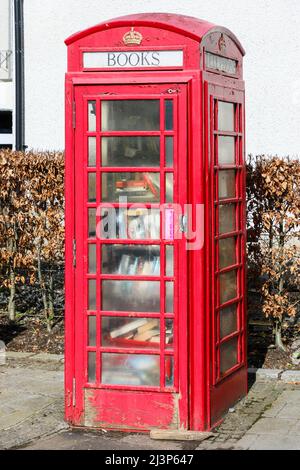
(227, 252)
(226, 150)
(228, 355)
(92, 187)
(92, 116)
(92, 259)
(133, 224)
(169, 152)
(228, 321)
(225, 116)
(131, 296)
(91, 367)
(169, 115)
(91, 223)
(92, 294)
(92, 151)
(131, 260)
(227, 184)
(135, 187)
(227, 219)
(221, 64)
(169, 260)
(125, 332)
(169, 371)
(135, 151)
(228, 286)
(169, 187)
(170, 297)
(130, 369)
(169, 334)
(92, 330)
(130, 115)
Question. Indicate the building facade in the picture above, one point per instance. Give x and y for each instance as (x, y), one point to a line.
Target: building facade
(269, 30)
(6, 74)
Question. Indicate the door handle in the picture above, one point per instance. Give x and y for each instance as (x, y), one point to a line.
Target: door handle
(183, 224)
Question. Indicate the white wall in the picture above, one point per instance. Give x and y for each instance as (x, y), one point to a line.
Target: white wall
(6, 88)
(268, 29)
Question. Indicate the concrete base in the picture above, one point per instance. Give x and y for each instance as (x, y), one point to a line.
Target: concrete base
(180, 435)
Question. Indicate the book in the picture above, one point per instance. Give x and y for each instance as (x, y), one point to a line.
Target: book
(128, 327)
(147, 268)
(155, 339)
(156, 266)
(148, 326)
(124, 264)
(146, 335)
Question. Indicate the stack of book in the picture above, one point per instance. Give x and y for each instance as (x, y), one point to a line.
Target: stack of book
(131, 265)
(138, 224)
(140, 330)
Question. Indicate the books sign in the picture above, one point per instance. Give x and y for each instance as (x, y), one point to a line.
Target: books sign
(132, 59)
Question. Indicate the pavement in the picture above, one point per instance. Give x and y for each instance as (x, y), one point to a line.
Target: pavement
(31, 413)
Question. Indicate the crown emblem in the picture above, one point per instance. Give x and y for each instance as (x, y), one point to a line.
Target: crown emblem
(132, 37)
(222, 43)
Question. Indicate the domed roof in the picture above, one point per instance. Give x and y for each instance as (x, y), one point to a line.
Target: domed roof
(186, 25)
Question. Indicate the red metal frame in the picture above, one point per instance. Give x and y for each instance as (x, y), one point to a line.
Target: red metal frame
(82, 94)
(203, 395)
(221, 398)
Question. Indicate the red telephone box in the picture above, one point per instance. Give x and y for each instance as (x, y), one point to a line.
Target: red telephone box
(155, 224)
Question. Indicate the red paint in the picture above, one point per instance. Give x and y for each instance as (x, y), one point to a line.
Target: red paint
(227, 393)
(128, 410)
(200, 394)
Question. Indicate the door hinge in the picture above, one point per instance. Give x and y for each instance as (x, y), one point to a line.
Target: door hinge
(74, 392)
(183, 223)
(74, 114)
(74, 253)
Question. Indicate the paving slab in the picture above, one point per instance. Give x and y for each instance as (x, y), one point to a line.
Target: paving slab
(275, 409)
(272, 426)
(18, 355)
(290, 410)
(31, 400)
(44, 423)
(83, 440)
(295, 431)
(145, 442)
(43, 357)
(292, 396)
(291, 376)
(271, 442)
(246, 442)
(268, 374)
(32, 414)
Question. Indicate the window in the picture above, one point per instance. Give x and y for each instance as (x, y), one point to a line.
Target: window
(228, 236)
(5, 122)
(130, 155)
(6, 129)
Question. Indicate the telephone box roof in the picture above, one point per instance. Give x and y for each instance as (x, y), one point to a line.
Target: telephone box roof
(186, 25)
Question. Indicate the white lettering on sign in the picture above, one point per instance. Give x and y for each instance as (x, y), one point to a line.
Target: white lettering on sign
(132, 59)
(222, 64)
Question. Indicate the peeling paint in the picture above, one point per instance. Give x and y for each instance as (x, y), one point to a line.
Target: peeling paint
(127, 410)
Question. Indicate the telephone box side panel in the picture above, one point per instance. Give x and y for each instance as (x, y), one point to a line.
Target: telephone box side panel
(69, 237)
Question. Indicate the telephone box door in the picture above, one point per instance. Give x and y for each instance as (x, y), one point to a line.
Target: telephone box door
(226, 144)
(130, 276)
